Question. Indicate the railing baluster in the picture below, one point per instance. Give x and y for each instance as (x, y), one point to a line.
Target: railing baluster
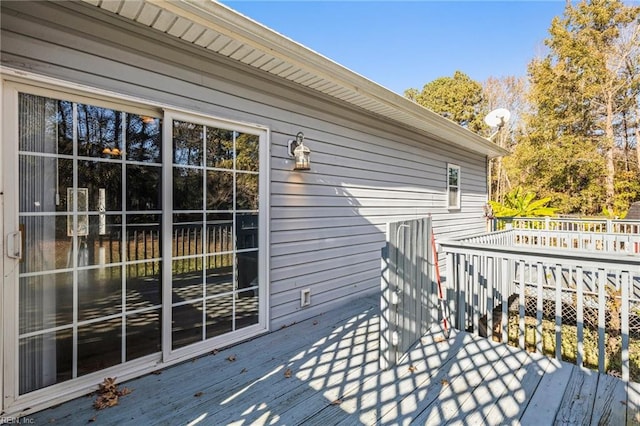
(490, 289)
(462, 280)
(601, 318)
(625, 283)
(521, 306)
(505, 286)
(580, 316)
(539, 307)
(559, 284)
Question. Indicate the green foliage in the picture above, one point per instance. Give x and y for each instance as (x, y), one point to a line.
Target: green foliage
(458, 98)
(583, 97)
(521, 203)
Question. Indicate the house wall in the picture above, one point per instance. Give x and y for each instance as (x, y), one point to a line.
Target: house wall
(327, 225)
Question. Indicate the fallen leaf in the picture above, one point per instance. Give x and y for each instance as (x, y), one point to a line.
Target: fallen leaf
(336, 402)
(288, 373)
(198, 394)
(244, 370)
(108, 394)
(413, 368)
(214, 352)
(315, 322)
(444, 382)
(124, 391)
(231, 358)
(439, 339)
(92, 419)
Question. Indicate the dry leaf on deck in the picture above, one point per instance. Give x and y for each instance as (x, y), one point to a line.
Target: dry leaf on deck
(124, 391)
(315, 322)
(214, 352)
(288, 373)
(413, 368)
(231, 358)
(439, 339)
(92, 419)
(198, 394)
(444, 382)
(337, 402)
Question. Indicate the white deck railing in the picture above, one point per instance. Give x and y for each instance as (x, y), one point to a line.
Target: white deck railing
(611, 226)
(542, 291)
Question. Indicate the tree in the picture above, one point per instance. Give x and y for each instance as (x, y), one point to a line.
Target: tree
(583, 93)
(510, 93)
(458, 98)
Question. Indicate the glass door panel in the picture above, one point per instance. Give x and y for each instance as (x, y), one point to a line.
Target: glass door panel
(215, 231)
(89, 287)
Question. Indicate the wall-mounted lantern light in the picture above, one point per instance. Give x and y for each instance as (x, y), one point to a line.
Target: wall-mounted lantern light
(300, 152)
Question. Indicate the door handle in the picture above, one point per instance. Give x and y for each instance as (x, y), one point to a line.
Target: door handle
(14, 245)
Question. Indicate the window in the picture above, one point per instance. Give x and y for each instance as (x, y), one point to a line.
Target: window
(453, 186)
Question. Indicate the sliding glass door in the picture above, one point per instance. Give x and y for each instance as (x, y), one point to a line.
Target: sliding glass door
(136, 235)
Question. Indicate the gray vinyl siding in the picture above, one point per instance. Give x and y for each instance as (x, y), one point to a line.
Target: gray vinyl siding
(327, 226)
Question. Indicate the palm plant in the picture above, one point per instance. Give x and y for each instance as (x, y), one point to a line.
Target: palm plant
(521, 203)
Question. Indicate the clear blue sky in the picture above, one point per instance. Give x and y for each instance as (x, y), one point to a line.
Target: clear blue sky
(403, 44)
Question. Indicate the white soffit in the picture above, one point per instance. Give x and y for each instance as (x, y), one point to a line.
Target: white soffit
(220, 29)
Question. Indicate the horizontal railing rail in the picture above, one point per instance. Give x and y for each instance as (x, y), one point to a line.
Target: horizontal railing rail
(567, 240)
(574, 305)
(617, 226)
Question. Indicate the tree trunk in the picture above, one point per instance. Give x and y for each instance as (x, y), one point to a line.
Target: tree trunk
(609, 151)
(637, 131)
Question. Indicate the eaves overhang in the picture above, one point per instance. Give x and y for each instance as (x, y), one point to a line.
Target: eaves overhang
(217, 28)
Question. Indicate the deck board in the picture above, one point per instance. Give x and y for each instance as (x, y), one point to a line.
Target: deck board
(335, 379)
(578, 398)
(547, 398)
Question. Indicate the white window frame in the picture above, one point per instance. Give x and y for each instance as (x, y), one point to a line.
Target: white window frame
(450, 187)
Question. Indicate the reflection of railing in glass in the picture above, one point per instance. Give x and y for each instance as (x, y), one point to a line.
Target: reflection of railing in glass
(142, 242)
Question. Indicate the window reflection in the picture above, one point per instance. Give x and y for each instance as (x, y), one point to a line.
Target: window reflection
(219, 190)
(143, 187)
(104, 183)
(247, 152)
(220, 148)
(99, 345)
(188, 143)
(144, 138)
(186, 324)
(187, 189)
(246, 191)
(98, 128)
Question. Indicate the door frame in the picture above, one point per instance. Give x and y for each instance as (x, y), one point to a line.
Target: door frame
(12, 82)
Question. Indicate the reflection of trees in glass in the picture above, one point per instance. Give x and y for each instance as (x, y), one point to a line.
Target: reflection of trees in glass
(219, 190)
(220, 148)
(144, 138)
(143, 187)
(64, 121)
(188, 143)
(247, 152)
(98, 128)
(187, 189)
(246, 191)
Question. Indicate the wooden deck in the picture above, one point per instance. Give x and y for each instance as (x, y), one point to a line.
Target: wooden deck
(324, 371)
